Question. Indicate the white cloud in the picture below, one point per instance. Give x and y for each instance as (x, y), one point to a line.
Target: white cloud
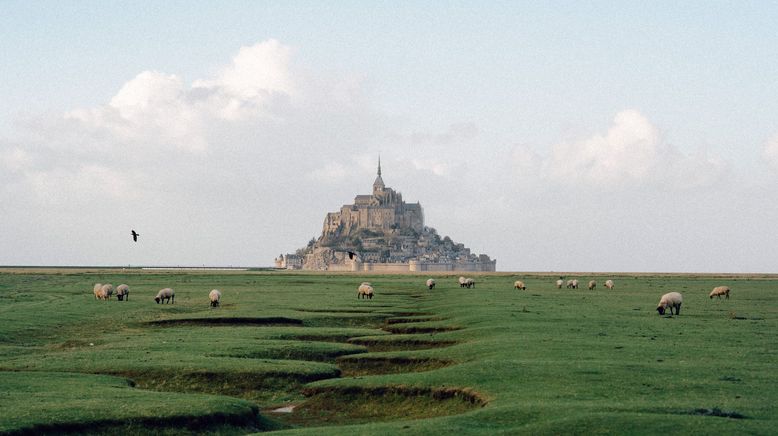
(329, 173)
(435, 166)
(631, 153)
(255, 72)
(15, 159)
(770, 151)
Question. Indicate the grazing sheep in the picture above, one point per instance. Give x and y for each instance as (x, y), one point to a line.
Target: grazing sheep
(108, 289)
(592, 284)
(609, 284)
(518, 284)
(365, 291)
(430, 283)
(166, 294)
(718, 291)
(96, 289)
(559, 283)
(671, 300)
(101, 294)
(470, 283)
(215, 296)
(462, 282)
(123, 291)
(569, 284)
(572, 284)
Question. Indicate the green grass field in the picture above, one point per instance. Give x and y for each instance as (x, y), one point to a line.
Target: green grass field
(488, 360)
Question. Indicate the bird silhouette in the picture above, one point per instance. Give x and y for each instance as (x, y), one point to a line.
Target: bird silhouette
(352, 255)
(135, 235)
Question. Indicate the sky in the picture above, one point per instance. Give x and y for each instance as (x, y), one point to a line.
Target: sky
(553, 136)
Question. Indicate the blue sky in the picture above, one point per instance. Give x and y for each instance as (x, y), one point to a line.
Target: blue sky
(485, 104)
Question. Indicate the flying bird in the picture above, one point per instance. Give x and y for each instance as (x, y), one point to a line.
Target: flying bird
(352, 255)
(135, 235)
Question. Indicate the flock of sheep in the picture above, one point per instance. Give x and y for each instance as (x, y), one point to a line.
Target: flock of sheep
(166, 295)
(671, 300)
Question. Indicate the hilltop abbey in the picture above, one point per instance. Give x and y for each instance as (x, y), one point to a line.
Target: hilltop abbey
(381, 232)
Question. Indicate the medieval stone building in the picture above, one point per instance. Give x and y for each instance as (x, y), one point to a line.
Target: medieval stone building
(383, 211)
(381, 232)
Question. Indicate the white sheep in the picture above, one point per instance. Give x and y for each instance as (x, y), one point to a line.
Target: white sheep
(108, 289)
(518, 284)
(96, 289)
(166, 294)
(215, 296)
(572, 284)
(101, 294)
(462, 282)
(430, 283)
(123, 291)
(718, 291)
(365, 291)
(609, 284)
(592, 284)
(559, 283)
(671, 300)
(470, 283)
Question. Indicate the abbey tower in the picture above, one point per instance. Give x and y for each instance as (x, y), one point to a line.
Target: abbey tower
(382, 211)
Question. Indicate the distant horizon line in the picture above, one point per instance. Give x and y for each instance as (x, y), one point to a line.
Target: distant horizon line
(272, 268)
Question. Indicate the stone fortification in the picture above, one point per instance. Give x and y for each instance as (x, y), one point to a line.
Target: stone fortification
(381, 232)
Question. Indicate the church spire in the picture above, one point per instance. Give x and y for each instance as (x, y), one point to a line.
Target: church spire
(378, 185)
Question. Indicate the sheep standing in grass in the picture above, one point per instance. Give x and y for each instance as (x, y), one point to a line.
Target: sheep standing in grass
(365, 291)
(122, 292)
(96, 290)
(430, 283)
(592, 284)
(462, 282)
(559, 283)
(718, 291)
(518, 284)
(108, 289)
(100, 294)
(167, 294)
(572, 284)
(215, 296)
(671, 300)
(470, 283)
(609, 284)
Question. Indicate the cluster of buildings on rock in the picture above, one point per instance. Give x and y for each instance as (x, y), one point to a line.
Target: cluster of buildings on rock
(381, 232)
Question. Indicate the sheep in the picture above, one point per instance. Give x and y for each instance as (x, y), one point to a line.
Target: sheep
(215, 296)
(609, 284)
(518, 284)
(572, 284)
(592, 284)
(462, 282)
(365, 291)
(108, 289)
(96, 290)
(671, 300)
(559, 283)
(166, 294)
(430, 283)
(569, 284)
(123, 291)
(470, 283)
(718, 291)
(101, 294)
